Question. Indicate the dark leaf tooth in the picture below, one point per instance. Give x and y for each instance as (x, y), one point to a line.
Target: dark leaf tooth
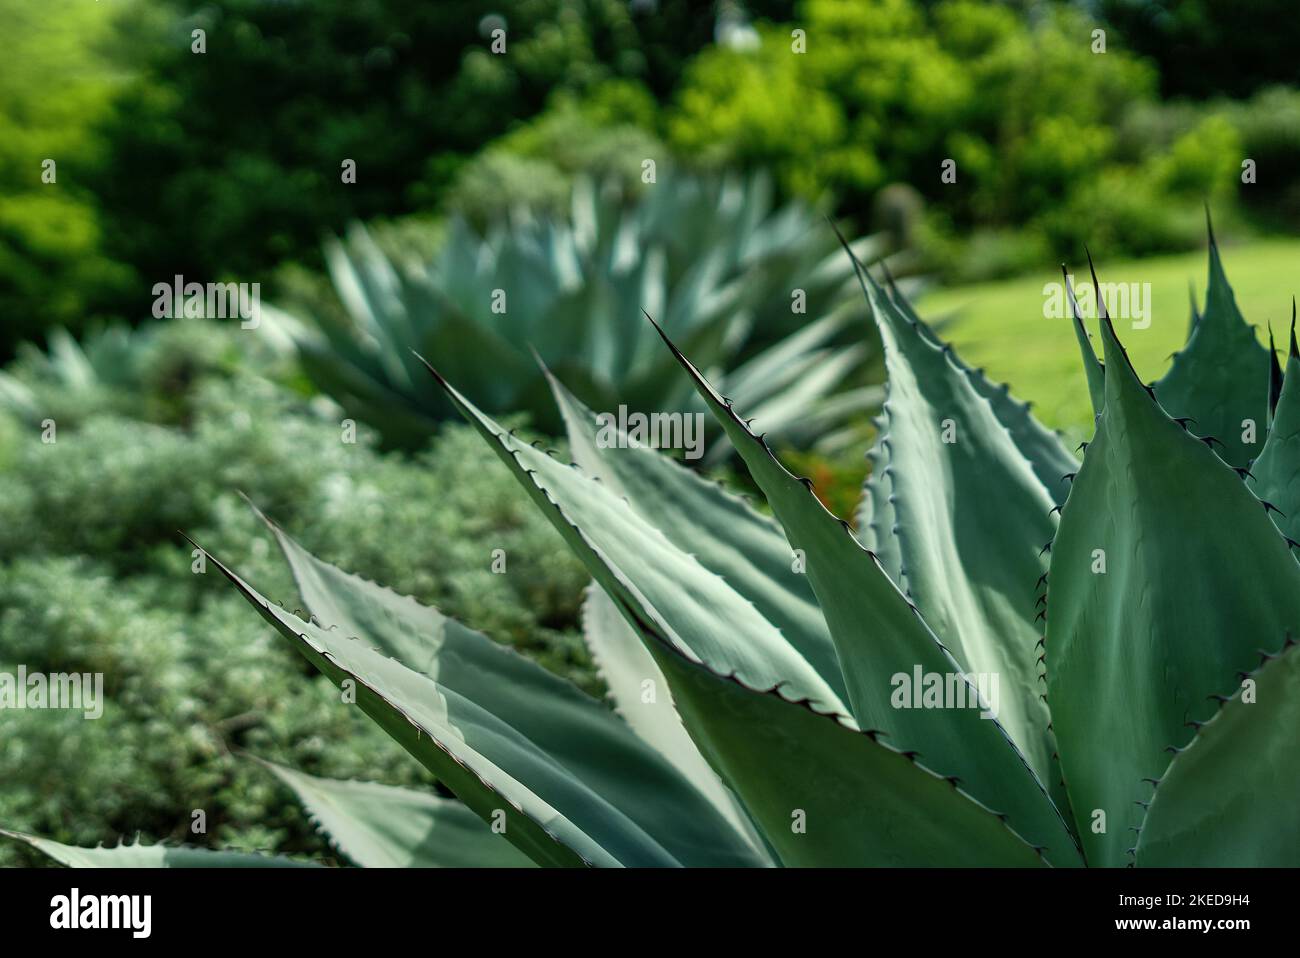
(1069, 476)
(1046, 548)
(1211, 440)
(1183, 420)
(1041, 599)
(1242, 472)
(1041, 579)
(1055, 509)
(1081, 447)
(1269, 506)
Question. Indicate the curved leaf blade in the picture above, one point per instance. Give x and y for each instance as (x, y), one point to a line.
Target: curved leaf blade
(826, 794)
(151, 856)
(632, 559)
(1229, 798)
(1275, 475)
(1133, 651)
(973, 518)
(724, 533)
(884, 642)
(575, 785)
(641, 695)
(383, 826)
(1219, 377)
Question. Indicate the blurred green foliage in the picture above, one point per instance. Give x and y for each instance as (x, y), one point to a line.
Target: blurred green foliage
(57, 80)
(94, 576)
(227, 164)
(889, 90)
(1210, 48)
(243, 145)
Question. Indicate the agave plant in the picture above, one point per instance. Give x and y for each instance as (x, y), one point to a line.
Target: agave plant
(117, 367)
(1017, 659)
(711, 258)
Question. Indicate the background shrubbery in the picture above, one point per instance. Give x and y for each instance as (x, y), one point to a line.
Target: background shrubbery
(227, 163)
(97, 578)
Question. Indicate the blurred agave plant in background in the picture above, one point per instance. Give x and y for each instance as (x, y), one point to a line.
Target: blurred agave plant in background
(764, 291)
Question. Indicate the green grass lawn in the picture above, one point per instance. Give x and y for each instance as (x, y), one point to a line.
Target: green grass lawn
(1001, 326)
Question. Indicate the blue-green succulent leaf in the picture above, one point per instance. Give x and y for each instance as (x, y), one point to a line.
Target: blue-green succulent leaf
(383, 826)
(1228, 799)
(1219, 378)
(1135, 641)
(150, 856)
(572, 783)
(885, 649)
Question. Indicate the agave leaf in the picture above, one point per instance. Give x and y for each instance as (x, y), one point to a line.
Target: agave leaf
(1093, 370)
(659, 591)
(1275, 475)
(1228, 798)
(877, 522)
(700, 611)
(1040, 446)
(641, 695)
(883, 642)
(1217, 378)
(1133, 652)
(574, 783)
(724, 533)
(1274, 376)
(151, 856)
(972, 517)
(710, 257)
(382, 826)
(823, 792)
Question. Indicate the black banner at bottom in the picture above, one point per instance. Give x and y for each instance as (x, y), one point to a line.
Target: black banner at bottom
(343, 906)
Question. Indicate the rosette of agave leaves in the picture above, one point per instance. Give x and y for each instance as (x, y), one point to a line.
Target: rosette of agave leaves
(1136, 607)
(758, 293)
